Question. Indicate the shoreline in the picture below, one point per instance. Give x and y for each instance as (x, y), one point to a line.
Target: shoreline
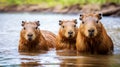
(109, 9)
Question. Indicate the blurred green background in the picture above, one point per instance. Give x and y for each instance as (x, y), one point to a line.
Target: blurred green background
(51, 3)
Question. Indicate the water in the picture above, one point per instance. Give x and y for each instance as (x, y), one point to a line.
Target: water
(10, 26)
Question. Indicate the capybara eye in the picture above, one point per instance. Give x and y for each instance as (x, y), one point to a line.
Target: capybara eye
(63, 26)
(24, 28)
(36, 27)
(74, 25)
(82, 22)
(97, 21)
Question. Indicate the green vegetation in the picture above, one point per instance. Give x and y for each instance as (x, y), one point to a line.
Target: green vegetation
(50, 3)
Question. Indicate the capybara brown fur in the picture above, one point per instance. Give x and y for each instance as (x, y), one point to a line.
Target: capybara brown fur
(34, 39)
(66, 37)
(92, 36)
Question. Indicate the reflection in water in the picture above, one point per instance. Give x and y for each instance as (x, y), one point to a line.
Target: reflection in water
(30, 64)
(94, 61)
(10, 26)
(73, 60)
(39, 59)
(28, 59)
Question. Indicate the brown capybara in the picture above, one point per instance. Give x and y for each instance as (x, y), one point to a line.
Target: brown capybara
(66, 37)
(34, 39)
(92, 36)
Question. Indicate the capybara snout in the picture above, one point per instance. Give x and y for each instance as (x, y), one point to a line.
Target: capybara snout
(91, 32)
(70, 32)
(68, 28)
(29, 36)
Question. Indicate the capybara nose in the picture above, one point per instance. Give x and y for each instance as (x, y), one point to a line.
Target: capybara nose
(70, 32)
(91, 31)
(30, 35)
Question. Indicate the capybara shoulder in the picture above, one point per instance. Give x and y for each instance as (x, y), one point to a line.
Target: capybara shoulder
(66, 37)
(92, 36)
(50, 37)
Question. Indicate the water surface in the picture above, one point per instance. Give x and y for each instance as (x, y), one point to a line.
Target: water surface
(10, 26)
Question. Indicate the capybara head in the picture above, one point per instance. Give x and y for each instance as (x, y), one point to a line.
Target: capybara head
(91, 25)
(30, 30)
(68, 28)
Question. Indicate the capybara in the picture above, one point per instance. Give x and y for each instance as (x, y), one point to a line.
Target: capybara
(92, 36)
(34, 39)
(67, 34)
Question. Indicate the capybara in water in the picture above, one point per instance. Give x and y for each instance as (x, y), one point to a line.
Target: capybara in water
(34, 39)
(66, 37)
(92, 36)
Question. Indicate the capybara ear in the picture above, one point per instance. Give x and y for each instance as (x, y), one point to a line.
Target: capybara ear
(99, 15)
(23, 23)
(81, 16)
(37, 22)
(75, 20)
(60, 22)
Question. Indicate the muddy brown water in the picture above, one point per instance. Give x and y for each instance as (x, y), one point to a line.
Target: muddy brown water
(10, 26)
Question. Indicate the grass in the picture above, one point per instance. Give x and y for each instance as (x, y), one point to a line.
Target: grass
(51, 3)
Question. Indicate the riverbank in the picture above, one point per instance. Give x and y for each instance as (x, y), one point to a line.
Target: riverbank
(108, 9)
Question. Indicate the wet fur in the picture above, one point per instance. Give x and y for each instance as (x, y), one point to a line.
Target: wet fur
(65, 43)
(43, 41)
(100, 44)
